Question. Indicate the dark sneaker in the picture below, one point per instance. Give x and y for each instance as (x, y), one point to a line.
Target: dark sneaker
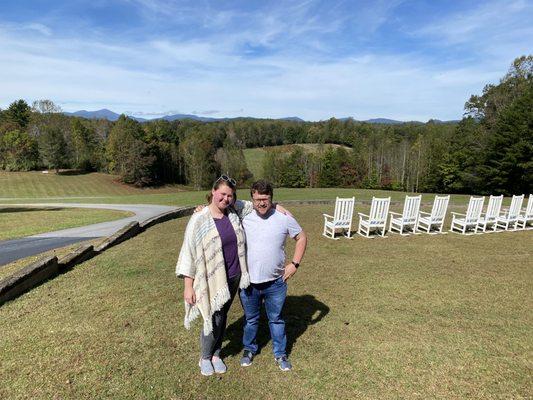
(206, 367)
(247, 358)
(218, 365)
(283, 363)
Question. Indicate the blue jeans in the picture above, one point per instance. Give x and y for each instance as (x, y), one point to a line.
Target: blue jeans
(273, 293)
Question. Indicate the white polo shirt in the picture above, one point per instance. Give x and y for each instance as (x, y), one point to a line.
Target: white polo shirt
(265, 241)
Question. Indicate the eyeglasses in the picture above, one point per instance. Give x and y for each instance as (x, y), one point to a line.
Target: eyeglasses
(227, 179)
(259, 201)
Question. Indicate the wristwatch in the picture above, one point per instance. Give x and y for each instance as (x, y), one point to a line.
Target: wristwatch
(295, 264)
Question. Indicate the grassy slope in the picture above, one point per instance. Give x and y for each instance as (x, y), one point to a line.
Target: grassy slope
(39, 185)
(18, 222)
(27, 187)
(418, 317)
(254, 157)
(16, 187)
(254, 160)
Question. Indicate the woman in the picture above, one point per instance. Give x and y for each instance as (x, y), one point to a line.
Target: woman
(212, 262)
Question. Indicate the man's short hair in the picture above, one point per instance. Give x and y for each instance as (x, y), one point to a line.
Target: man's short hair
(262, 187)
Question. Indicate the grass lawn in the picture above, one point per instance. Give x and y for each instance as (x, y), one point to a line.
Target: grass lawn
(444, 316)
(187, 198)
(28, 187)
(18, 222)
(38, 185)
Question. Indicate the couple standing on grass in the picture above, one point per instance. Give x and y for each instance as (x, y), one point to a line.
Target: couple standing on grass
(231, 245)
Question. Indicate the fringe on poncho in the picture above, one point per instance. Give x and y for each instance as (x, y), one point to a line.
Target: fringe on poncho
(201, 258)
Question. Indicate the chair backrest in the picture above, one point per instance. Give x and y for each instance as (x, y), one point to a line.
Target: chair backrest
(440, 206)
(411, 208)
(379, 209)
(475, 206)
(494, 207)
(516, 206)
(529, 209)
(344, 209)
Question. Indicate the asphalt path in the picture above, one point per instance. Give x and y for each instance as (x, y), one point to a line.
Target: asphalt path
(12, 250)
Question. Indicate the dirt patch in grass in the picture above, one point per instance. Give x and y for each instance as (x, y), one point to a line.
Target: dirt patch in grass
(423, 316)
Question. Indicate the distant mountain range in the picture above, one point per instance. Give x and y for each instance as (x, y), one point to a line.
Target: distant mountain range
(112, 116)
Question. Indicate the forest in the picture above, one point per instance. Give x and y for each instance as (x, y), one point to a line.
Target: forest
(490, 151)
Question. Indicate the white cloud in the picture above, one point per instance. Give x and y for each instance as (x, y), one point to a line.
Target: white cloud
(212, 73)
(43, 29)
(488, 28)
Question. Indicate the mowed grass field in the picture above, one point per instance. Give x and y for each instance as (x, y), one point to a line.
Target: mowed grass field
(35, 187)
(38, 185)
(16, 222)
(445, 316)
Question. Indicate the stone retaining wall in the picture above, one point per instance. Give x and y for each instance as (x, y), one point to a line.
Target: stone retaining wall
(49, 267)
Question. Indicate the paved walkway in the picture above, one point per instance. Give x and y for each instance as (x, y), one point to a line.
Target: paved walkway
(12, 250)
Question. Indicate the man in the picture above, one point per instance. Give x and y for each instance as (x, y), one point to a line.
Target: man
(266, 230)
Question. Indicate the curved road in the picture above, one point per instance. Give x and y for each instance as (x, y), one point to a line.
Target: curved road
(12, 250)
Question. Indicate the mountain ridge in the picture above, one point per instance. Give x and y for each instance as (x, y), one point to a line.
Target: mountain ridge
(105, 113)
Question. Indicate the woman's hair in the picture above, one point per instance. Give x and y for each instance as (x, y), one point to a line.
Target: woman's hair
(219, 182)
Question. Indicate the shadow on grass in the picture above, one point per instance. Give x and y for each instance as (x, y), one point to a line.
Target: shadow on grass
(73, 172)
(300, 312)
(28, 209)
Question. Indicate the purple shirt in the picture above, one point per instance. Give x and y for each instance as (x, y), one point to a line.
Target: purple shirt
(229, 246)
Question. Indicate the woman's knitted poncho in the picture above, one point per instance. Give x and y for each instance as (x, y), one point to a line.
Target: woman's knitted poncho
(201, 258)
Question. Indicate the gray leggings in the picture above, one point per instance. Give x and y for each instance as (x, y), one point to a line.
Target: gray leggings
(212, 343)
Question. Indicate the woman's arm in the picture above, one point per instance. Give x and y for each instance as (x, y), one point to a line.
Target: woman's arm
(243, 208)
(188, 291)
(186, 267)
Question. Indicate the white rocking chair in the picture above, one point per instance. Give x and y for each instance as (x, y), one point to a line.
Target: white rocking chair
(511, 215)
(341, 219)
(470, 219)
(435, 219)
(409, 216)
(492, 213)
(527, 216)
(377, 219)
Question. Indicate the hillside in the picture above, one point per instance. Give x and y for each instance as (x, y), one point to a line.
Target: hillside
(38, 185)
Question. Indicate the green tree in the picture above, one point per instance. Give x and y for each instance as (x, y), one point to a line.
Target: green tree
(128, 156)
(19, 112)
(273, 166)
(85, 146)
(294, 169)
(18, 151)
(53, 148)
(329, 176)
(198, 153)
(231, 160)
(508, 166)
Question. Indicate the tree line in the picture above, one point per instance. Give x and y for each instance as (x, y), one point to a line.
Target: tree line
(489, 151)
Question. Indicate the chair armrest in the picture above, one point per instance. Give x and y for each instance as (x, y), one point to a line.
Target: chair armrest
(423, 212)
(363, 215)
(395, 213)
(455, 213)
(327, 216)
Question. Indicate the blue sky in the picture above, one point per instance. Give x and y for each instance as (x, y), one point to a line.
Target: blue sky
(406, 60)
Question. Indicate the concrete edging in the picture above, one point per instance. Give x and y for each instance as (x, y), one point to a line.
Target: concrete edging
(46, 268)
(28, 277)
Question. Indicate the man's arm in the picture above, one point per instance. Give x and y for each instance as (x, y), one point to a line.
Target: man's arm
(299, 251)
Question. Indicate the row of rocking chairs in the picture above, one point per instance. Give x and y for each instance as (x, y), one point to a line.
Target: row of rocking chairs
(419, 221)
